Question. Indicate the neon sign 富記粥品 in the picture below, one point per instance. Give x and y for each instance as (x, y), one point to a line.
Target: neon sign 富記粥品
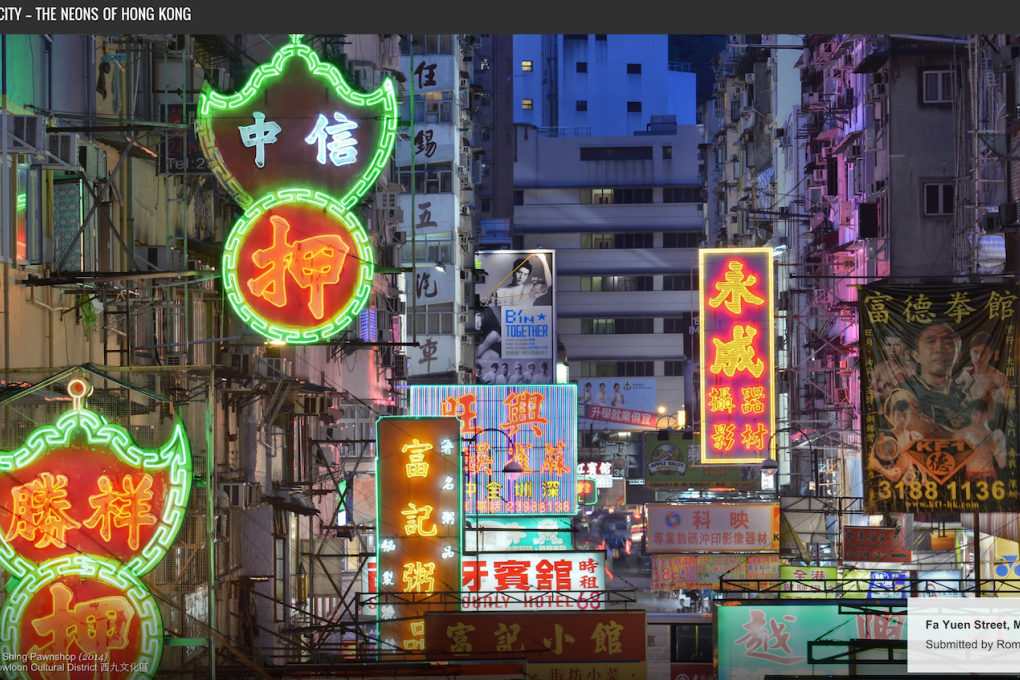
(737, 349)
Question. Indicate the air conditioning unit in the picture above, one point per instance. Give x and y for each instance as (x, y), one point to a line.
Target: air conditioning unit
(62, 148)
(400, 238)
(877, 91)
(870, 140)
(815, 99)
(819, 175)
(274, 368)
(855, 151)
(396, 306)
(311, 406)
(820, 158)
(464, 239)
(176, 358)
(399, 366)
(26, 134)
(93, 161)
(242, 495)
(163, 258)
(391, 215)
(389, 256)
(877, 186)
(465, 84)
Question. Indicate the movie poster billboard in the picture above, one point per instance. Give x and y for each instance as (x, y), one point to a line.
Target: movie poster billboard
(516, 323)
(939, 397)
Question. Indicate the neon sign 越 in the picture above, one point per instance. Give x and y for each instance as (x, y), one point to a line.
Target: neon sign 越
(737, 346)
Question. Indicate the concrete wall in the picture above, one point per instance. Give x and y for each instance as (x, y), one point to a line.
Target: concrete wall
(920, 149)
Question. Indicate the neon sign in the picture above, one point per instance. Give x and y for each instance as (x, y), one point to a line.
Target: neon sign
(418, 497)
(298, 148)
(534, 426)
(84, 512)
(737, 346)
(298, 290)
(284, 104)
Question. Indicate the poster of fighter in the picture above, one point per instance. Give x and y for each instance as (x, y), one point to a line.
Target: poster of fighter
(516, 324)
(938, 382)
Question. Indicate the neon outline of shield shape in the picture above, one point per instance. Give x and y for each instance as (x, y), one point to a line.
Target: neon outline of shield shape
(172, 459)
(380, 105)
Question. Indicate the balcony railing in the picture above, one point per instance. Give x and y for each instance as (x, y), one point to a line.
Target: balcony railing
(681, 66)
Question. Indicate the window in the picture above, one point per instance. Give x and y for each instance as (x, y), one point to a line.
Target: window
(596, 196)
(518, 197)
(582, 67)
(431, 107)
(673, 368)
(639, 240)
(640, 195)
(634, 68)
(681, 195)
(485, 99)
(680, 281)
(938, 198)
(734, 111)
(527, 104)
(601, 36)
(675, 324)
(427, 44)
(617, 326)
(681, 239)
(582, 104)
(432, 323)
(486, 205)
(691, 643)
(596, 241)
(616, 153)
(667, 152)
(427, 181)
(938, 87)
(623, 369)
(615, 284)
(527, 66)
(431, 250)
(633, 107)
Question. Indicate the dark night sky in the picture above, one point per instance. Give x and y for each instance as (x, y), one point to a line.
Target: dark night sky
(699, 50)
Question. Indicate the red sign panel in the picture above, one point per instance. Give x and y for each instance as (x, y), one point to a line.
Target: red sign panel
(590, 637)
(737, 350)
(874, 544)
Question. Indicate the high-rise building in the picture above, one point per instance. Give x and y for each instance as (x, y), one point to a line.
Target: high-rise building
(598, 85)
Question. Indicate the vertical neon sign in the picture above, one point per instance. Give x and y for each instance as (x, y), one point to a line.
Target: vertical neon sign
(737, 354)
(420, 525)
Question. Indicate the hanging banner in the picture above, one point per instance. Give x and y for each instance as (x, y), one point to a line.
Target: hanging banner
(730, 527)
(738, 350)
(864, 583)
(939, 388)
(516, 325)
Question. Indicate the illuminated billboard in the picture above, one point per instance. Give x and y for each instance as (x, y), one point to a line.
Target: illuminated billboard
(84, 513)
(534, 426)
(420, 524)
(938, 379)
(737, 353)
(719, 527)
(516, 324)
(297, 147)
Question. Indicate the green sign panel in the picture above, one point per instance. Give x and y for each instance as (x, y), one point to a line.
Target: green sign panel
(525, 534)
(675, 463)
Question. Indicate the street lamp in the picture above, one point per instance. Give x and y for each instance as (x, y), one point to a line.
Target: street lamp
(769, 467)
